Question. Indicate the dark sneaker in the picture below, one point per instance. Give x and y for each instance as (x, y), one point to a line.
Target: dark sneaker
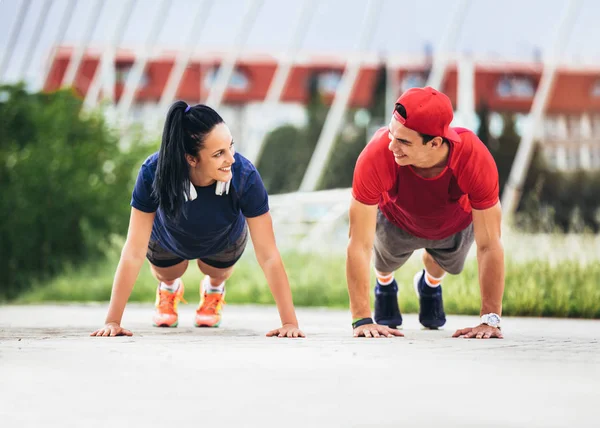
(431, 304)
(387, 311)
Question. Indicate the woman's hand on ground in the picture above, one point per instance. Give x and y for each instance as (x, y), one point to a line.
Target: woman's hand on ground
(112, 329)
(287, 330)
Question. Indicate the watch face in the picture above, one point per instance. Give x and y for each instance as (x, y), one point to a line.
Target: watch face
(493, 320)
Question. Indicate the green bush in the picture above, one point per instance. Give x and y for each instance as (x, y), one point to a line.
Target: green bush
(288, 149)
(284, 159)
(346, 149)
(65, 183)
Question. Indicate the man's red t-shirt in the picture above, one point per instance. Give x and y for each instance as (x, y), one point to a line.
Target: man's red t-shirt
(430, 208)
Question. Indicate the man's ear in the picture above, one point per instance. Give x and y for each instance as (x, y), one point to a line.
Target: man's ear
(191, 160)
(437, 142)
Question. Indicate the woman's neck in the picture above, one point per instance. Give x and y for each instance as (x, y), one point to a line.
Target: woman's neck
(198, 179)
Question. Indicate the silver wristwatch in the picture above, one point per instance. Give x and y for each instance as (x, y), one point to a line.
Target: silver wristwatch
(493, 320)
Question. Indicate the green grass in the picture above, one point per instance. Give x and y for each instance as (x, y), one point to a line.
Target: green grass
(536, 288)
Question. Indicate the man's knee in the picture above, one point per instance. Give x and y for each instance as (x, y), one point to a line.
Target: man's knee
(453, 265)
(456, 268)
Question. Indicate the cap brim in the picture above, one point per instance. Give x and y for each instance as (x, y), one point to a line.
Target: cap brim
(452, 135)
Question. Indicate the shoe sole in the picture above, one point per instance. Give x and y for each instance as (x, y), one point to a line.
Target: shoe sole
(416, 287)
(395, 327)
(207, 325)
(166, 325)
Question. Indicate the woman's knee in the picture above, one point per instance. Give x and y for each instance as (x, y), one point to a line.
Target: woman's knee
(171, 273)
(217, 274)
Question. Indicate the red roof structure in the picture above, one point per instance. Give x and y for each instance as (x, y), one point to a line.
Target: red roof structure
(502, 86)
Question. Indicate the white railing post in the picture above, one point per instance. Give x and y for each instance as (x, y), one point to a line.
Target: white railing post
(466, 93)
(58, 39)
(219, 86)
(181, 62)
(79, 51)
(39, 25)
(335, 117)
(255, 143)
(142, 56)
(446, 43)
(13, 37)
(514, 185)
(103, 76)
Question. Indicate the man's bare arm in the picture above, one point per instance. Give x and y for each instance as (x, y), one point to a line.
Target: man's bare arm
(363, 219)
(490, 258)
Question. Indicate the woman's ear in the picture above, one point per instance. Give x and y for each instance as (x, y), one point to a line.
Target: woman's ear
(191, 160)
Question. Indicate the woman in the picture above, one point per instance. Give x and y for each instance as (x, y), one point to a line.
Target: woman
(195, 200)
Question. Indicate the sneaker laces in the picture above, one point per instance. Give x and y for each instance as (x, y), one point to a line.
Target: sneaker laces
(213, 303)
(167, 300)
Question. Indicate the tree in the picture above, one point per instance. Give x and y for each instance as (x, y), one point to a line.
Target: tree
(483, 132)
(66, 186)
(550, 200)
(347, 147)
(288, 150)
(282, 163)
(378, 109)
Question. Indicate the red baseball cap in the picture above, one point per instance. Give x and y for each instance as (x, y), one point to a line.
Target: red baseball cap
(428, 111)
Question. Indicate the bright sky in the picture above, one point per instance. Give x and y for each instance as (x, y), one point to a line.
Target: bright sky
(509, 29)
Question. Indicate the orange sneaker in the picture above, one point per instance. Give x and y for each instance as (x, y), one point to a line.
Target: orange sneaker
(166, 306)
(208, 313)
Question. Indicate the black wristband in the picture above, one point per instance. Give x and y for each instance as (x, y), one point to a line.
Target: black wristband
(362, 321)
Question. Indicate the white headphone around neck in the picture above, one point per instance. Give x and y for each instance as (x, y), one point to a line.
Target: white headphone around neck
(220, 188)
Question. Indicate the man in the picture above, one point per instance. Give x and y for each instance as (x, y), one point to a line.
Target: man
(421, 184)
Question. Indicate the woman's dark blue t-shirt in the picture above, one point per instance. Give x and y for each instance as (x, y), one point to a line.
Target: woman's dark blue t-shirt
(210, 223)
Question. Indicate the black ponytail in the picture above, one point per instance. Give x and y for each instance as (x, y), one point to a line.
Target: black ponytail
(184, 133)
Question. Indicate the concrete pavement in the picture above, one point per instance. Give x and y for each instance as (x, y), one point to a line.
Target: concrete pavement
(545, 373)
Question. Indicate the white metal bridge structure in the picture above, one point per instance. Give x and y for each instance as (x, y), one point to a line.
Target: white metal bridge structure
(461, 32)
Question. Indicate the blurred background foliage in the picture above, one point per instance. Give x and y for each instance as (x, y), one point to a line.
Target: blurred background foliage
(552, 201)
(66, 185)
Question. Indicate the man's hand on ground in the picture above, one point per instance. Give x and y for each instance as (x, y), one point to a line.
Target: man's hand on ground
(375, 330)
(482, 331)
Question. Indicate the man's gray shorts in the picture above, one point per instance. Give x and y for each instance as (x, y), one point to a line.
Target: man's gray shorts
(393, 246)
